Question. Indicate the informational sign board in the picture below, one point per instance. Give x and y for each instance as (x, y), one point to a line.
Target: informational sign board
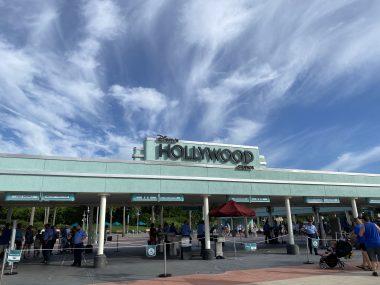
(249, 199)
(14, 256)
(250, 247)
(58, 197)
(260, 200)
(18, 197)
(144, 198)
(373, 201)
(170, 198)
(39, 197)
(316, 200)
(151, 250)
(157, 198)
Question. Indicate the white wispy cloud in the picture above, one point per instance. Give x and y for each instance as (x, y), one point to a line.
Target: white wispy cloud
(350, 161)
(209, 70)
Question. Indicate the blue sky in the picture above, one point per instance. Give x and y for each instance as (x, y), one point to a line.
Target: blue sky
(299, 79)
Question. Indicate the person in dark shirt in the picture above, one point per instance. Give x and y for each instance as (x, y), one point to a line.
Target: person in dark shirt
(152, 234)
(5, 238)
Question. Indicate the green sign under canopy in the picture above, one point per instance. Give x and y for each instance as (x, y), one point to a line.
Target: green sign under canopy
(373, 200)
(39, 197)
(17, 197)
(157, 198)
(321, 200)
(58, 197)
(249, 199)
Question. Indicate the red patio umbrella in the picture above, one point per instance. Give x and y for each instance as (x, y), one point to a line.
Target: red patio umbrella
(232, 209)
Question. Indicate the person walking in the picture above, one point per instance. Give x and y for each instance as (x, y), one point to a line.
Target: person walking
(78, 239)
(371, 234)
(311, 233)
(360, 244)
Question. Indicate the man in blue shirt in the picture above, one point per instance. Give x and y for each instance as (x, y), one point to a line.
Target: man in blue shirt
(312, 233)
(371, 233)
(79, 236)
(47, 243)
(185, 229)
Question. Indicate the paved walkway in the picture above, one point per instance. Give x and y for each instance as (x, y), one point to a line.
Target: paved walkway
(268, 266)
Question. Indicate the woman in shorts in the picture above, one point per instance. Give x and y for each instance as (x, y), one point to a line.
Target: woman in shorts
(360, 245)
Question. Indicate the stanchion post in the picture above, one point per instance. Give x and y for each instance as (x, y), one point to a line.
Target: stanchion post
(235, 247)
(308, 261)
(165, 274)
(117, 243)
(2, 268)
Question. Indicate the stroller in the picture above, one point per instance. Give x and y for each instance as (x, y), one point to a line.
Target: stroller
(341, 249)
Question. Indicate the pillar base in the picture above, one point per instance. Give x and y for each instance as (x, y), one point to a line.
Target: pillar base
(292, 249)
(100, 261)
(208, 254)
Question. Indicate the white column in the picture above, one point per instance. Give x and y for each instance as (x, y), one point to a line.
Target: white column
(153, 218)
(102, 223)
(9, 215)
(110, 221)
(47, 213)
(123, 234)
(128, 222)
(354, 208)
(90, 225)
(348, 218)
(162, 217)
(31, 219)
(289, 218)
(13, 236)
(207, 222)
(54, 216)
(97, 225)
(246, 226)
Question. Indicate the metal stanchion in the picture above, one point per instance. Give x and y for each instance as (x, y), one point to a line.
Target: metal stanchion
(117, 243)
(165, 274)
(308, 261)
(2, 268)
(234, 247)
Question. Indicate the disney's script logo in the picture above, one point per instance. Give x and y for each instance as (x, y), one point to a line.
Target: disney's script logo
(166, 139)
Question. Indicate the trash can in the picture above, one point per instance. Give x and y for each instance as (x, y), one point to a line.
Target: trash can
(219, 247)
(173, 245)
(186, 248)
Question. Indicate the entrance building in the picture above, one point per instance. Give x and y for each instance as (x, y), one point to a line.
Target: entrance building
(168, 171)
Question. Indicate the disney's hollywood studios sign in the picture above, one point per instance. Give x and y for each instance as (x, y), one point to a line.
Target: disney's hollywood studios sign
(176, 151)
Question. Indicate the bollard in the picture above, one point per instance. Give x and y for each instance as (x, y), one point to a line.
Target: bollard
(234, 247)
(165, 274)
(308, 261)
(2, 268)
(117, 243)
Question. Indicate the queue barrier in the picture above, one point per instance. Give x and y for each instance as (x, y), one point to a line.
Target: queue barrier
(151, 251)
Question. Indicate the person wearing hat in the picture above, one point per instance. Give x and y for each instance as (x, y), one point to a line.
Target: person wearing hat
(312, 233)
